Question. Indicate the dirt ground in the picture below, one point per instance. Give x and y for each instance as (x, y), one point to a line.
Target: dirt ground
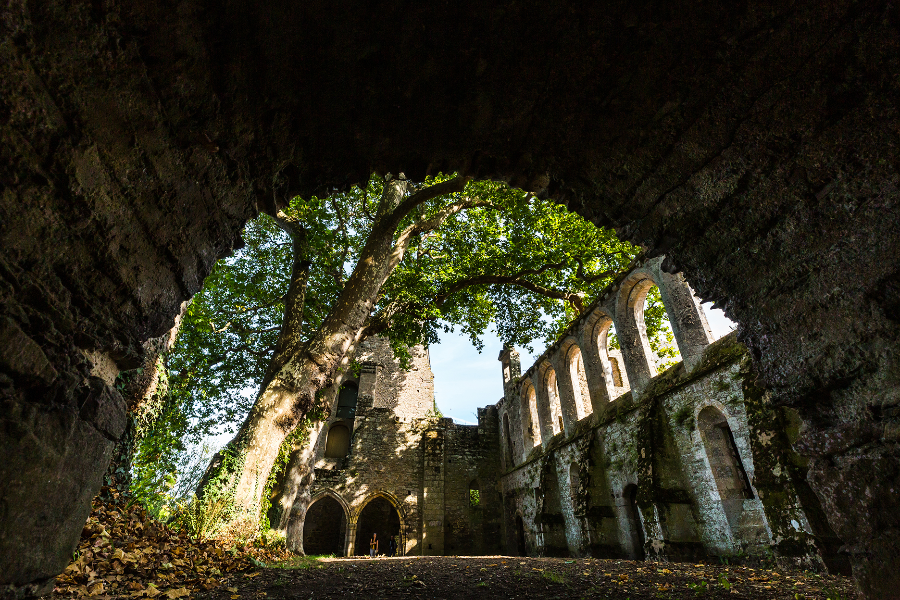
(496, 577)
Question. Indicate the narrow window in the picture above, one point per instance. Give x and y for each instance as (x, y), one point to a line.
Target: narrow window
(474, 494)
(346, 408)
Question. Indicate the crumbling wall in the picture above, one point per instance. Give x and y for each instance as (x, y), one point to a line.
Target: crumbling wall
(655, 444)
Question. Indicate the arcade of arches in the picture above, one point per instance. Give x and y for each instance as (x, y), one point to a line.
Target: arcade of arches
(755, 144)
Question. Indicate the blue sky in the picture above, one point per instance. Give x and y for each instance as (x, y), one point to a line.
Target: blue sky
(465, 380)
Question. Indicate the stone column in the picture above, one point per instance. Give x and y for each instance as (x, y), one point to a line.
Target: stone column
(566, 390)
(632, 332)
(545, 415)
(692, 332)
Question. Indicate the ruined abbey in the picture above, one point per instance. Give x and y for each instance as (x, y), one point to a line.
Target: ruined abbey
(591, 452)
(755, 145)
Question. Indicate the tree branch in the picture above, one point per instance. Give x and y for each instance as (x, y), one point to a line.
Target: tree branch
(451, 186)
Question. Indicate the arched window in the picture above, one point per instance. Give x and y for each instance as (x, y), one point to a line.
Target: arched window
(346, 407)
(725, 462)
(579, 383)
(337, 444)
(610, 355)
(531, 433)
(653, 321)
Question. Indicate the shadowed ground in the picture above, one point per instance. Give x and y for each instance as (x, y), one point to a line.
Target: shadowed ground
(515, 577)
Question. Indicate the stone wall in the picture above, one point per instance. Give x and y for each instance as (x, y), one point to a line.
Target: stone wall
(692, 462)
(402, 452)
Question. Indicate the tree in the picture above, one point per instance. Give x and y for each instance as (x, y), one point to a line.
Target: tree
(392, 259)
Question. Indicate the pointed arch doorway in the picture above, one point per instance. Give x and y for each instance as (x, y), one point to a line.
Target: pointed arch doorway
(378, 516)
(325, 528)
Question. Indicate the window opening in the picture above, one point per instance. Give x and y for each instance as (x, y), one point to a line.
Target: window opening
(659, 332)
(474, 494)
(337, 444)
(555, 406)
(579, 383)
(719, 324)
(347, 399)
(532, 432)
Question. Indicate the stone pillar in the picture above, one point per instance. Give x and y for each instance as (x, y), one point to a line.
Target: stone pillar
(595, 367)
(433, 496)
(545, 415)
(632, 332)
(692, 332)
(566, 390)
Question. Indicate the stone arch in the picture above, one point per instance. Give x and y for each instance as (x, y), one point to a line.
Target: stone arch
(361, 544)
(574, 377)
(531, 431)
(725, 462)
(631, 329)
(322, 533)
(337, 441)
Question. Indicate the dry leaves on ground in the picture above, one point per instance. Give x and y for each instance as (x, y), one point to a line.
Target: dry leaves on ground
(123, 552)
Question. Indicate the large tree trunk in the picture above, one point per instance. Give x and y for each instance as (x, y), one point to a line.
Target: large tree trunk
(299, 370)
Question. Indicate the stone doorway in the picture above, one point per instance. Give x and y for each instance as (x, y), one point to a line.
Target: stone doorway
(380, 517)
(325, 528)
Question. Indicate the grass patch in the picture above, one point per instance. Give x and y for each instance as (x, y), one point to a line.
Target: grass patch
(554, 577)
(300, 562)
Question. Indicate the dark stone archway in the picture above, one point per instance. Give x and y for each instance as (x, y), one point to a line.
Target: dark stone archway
(325, 528)
(381, 518)
(755, 143)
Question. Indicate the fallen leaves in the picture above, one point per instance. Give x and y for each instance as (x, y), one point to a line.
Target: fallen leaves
(123, 552)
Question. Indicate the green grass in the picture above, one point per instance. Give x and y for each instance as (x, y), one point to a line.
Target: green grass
(554, 577)
(300, 562)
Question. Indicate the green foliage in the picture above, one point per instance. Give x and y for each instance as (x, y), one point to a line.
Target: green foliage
(203, 516)
(513, 262)
(474, 498)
